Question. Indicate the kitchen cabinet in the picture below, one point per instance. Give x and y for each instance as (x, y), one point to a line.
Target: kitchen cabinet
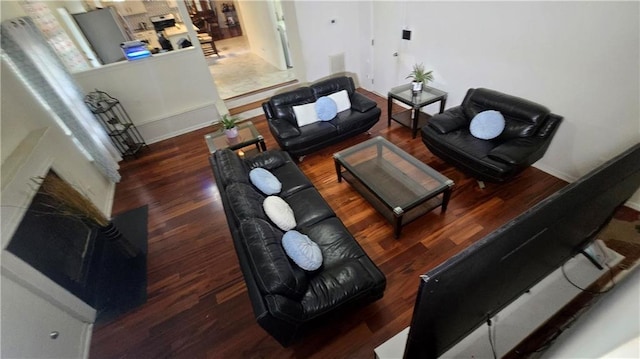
(126, 8)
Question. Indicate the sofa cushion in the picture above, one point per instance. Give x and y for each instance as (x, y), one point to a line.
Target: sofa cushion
(487, 125)
(336, 286)
(333, 85)
(314, 133)
(292, 179)
(361, 103)
(268, 160)
(282, 104)
(341, 99)
(245, 201)
(279, 212)
(305, 114)
(335, 241)
(265, 181)
(352, 121)
(302, 250)
(326, 108)
(309, 207)
(271, 267)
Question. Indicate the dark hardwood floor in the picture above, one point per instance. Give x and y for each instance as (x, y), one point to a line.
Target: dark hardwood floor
(197, 302)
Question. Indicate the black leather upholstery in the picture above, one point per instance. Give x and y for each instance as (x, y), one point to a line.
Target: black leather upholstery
(287, 301)
(299, 141)
(529, 128)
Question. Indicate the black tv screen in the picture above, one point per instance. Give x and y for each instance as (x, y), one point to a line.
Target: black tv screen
(459, 295)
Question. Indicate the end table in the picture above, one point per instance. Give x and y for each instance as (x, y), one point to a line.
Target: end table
(411, 118)
(247, 135)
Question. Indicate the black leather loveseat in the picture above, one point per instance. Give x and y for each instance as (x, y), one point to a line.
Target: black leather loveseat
(287, 300)
(528, 130)
(302, 140)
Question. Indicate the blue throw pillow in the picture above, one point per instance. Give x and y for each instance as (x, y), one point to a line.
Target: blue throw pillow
(487, 125)
(302, 250)
(326, 108)
(265, 181)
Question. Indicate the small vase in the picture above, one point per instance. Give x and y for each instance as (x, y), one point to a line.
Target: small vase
(231, 132)
(416, 87)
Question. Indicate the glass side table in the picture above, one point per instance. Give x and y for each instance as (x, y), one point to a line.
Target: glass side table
(412, 118)
(248, 135)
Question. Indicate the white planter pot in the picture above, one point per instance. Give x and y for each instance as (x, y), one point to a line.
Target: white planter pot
(416, 87)
(232, 132)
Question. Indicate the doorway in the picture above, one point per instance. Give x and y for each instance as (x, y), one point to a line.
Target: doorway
(252, 56)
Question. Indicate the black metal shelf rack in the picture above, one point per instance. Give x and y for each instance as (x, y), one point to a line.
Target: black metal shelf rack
(116, 122)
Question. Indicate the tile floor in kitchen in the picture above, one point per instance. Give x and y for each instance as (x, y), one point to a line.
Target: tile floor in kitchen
(238, 71)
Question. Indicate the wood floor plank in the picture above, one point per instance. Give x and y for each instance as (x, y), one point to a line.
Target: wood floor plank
(197, 303)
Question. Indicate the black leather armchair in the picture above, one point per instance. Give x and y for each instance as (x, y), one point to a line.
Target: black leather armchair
(529, 128)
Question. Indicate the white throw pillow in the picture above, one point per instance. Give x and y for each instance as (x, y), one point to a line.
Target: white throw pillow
(302, 250)
(341, 99)
(306, 114)
(279, 212)
(265, 181)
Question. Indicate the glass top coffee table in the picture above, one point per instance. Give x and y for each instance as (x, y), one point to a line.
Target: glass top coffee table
(398, 185)
(247, 135)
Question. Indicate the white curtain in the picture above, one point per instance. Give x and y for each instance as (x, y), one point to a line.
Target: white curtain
(27, 52)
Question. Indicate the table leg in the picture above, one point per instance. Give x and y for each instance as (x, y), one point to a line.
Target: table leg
(397, 226)
(442, 103)
(445, 199)
(263, 145)
(338, 172)
(389, 103)
(414, 122)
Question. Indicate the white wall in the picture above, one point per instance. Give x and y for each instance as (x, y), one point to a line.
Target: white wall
(569, 56)
(580, 59)
(259, 25)
(321, 41)
(21, 114)
(165, 95)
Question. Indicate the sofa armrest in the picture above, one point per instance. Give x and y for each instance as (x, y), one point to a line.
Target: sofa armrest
(284, 308)
(361, 103)
(517, 151)
(268, 160)
(450, 120)
(266, 107)
(283, 129)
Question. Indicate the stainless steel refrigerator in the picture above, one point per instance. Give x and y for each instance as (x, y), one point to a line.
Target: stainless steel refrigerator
(104, 32)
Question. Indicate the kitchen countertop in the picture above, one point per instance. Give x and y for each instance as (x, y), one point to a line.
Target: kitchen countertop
(179, 29)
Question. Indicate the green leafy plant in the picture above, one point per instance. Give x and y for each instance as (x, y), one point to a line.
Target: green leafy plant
(419, 74)
(228, 121)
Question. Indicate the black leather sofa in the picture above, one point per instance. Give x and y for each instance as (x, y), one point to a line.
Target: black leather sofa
(299, 141)
(529, 128)
(287, 301)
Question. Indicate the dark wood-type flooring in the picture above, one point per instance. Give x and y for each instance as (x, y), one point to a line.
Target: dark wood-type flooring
(197, 302)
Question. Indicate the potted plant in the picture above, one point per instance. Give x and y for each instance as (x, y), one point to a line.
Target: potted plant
(229, 124)
(420, 77)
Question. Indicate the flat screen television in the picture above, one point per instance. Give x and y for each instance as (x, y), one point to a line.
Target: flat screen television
(459, 295)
